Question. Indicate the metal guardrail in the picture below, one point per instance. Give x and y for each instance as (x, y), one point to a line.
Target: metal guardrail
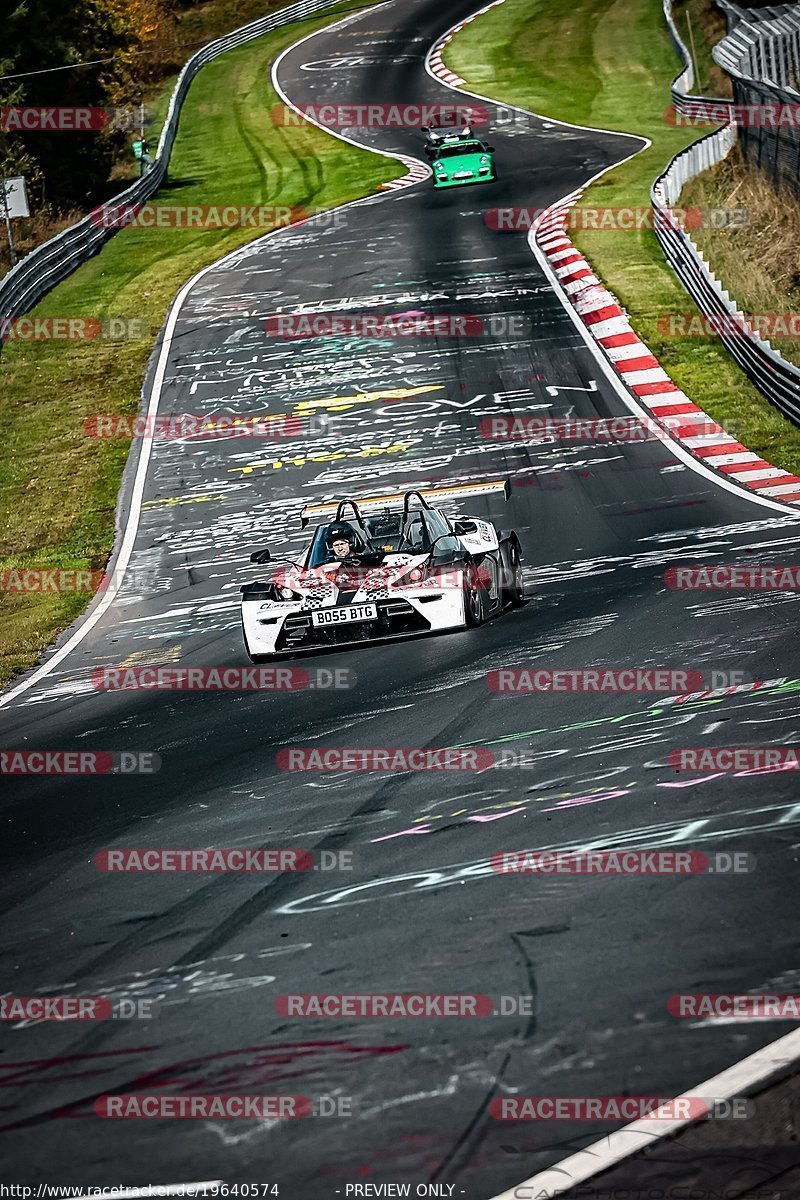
(761, 53)
(773, 375)
(54, 260)
(680, 89)
(762, 44)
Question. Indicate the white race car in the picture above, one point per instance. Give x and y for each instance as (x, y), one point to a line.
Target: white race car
(444, 134)
(385, 566)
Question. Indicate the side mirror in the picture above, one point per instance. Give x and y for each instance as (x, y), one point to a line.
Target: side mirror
(261, 556)
(425, 128)
(490, 149)
(462, 527)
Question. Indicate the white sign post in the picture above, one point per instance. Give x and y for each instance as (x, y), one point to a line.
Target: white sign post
(14, 201)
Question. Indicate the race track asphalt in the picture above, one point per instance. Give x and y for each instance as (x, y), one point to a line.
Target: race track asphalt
(421, 910)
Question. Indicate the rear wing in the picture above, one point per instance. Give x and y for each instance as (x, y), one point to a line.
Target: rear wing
(438, 133)
(442, 495)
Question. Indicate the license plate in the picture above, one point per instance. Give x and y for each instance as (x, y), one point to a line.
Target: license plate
(339, 616)
(463, 175)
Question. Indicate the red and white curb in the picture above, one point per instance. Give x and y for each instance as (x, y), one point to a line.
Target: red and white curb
(736, 689)
(641, 371)
(417, 171)
(439, 69)
(435, 60)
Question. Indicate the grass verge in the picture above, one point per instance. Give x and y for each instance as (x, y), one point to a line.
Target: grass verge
(701, 25)
(608, 63)
(760, 262)
(58, 488)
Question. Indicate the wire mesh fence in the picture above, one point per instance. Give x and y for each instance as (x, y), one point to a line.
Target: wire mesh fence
(761, 53)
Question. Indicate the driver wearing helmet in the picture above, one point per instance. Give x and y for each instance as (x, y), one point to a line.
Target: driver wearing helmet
(345, 546)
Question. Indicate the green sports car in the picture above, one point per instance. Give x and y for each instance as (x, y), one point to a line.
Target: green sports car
(458, 160)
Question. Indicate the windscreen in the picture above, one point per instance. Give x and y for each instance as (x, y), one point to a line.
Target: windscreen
(321, 551)
(464, 148)
(386, 531)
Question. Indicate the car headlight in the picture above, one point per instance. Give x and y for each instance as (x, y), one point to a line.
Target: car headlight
(287, 594)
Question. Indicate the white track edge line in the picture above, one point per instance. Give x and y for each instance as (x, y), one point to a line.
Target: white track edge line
(609, 1151)
(677, 449)
(135, 508)
(671, 443)
(742, 1077)
(405, 159)
(134, 514)
(439, 45)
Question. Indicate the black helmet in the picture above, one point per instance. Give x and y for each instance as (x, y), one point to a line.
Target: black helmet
(341, 531)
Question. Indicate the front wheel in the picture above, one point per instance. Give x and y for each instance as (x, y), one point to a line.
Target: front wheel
(473, 598)
(513, 582)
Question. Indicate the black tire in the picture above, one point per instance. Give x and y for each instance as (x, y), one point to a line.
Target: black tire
(474, 606)
(246, 647)
(513, 583)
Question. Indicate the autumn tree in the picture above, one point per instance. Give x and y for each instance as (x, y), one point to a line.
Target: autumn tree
(73, 53)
